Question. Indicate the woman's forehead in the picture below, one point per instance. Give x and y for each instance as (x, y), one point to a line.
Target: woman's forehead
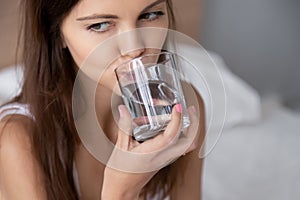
(112, 7)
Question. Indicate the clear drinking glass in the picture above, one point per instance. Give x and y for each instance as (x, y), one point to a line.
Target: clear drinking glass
(150, 87)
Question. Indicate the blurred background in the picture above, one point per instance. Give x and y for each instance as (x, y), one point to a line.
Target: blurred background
(259, 41)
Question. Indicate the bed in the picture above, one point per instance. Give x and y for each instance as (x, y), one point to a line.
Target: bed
(257, 161)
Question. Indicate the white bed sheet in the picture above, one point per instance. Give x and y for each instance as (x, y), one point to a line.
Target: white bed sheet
(259, 161)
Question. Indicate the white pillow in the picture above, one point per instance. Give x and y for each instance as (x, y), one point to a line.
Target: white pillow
(243, 101)
(207, 72)
(228, 100)
(11, 80)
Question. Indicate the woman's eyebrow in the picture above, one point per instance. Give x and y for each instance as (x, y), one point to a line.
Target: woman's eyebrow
(109, 16)
(97, 16)
(152, 5)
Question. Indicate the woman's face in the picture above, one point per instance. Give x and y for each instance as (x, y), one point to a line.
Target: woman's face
(92, 22)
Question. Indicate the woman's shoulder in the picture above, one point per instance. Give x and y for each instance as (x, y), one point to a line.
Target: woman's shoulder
(15, 118)
(18, 163)
(15, 132)
(15, 125)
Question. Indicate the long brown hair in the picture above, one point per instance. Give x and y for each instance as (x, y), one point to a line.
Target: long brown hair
(49, 76)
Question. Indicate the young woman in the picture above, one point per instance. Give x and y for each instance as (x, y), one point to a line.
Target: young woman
(41, 155)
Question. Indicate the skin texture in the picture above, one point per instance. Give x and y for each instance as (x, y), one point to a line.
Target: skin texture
(20, 176)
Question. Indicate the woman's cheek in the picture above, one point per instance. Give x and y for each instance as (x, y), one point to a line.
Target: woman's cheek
(80, 50)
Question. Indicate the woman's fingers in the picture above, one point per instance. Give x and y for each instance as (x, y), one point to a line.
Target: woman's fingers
(170, 134)
(185, 144)
(158, 151)
(193, 128)
(174, 127)
(125, 128)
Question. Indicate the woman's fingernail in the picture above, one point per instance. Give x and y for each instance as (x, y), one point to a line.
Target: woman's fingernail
(193, 109)
(121, 112)
(178, 108)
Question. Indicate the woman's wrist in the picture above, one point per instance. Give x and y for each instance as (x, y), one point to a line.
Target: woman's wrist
(112, 190)
(112, 194)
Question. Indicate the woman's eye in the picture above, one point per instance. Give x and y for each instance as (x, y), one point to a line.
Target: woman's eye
(151, 16)
(100, 27)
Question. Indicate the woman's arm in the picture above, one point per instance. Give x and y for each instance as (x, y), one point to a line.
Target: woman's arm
(189, 185)
(20, 174)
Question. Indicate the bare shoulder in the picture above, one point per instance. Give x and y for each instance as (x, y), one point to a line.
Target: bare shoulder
(20, 174)
(14, 133)
(15, 141)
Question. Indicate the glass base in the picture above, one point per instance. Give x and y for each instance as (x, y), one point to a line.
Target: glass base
(144, 132)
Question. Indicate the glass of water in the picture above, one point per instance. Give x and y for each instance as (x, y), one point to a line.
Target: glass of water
(150, 87)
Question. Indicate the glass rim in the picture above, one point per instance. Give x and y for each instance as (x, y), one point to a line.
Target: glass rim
(141, 57)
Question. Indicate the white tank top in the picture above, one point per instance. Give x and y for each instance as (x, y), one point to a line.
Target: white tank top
(23, 109)
(14, 108)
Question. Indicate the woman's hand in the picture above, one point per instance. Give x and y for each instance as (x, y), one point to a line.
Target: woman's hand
(133, 164)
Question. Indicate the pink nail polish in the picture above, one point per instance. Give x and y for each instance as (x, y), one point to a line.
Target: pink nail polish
(178, 108)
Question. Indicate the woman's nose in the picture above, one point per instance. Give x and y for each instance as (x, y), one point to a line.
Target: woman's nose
(131, 44)
(134, 53)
